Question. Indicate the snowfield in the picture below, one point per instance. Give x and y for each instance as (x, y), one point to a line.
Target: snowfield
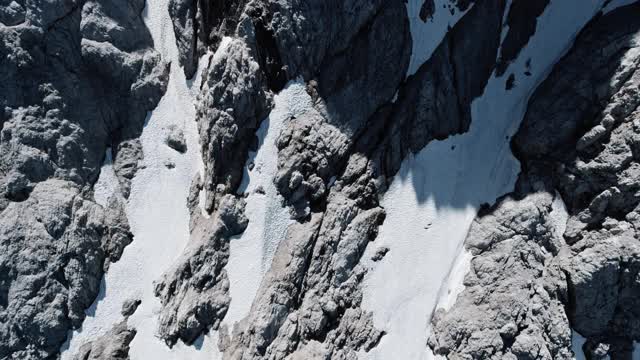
(251, 252)
(428, 34)
(157, 213)
(436, 194)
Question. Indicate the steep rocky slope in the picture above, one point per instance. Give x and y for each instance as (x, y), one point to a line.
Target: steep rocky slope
(537, 274)
(80, 77)
(77, 78)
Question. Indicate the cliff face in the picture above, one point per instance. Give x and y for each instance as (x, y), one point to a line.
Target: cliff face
(345, 158)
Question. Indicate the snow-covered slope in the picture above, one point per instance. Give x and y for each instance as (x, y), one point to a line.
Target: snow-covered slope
(157, 213)
(427, 34)
(437, 192)
(251, 253)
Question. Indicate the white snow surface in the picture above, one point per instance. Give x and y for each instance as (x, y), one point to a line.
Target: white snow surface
(427, 35)
(107, 184)
(157, 213)
(252, 251)
(436, 194)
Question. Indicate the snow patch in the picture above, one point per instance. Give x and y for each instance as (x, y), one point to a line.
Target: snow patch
(559, 215)
(454, 284)
(577, 341)
(157, 213)
(251, 252)
(436, 193)
(427, 35)
(107, 183)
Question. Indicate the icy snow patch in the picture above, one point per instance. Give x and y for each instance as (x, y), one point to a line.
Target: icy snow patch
(252, 251)
(436, 194)
(158, 215)
(107, 183)
(577, 341)
(616, 4)
(427, 35)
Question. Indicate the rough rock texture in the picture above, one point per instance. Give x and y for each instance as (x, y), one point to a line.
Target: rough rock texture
(236, 96)
(114, 344)
(194, 293)
(513, 303)
(200, 25)
(128, 154)
(315, 146)
(232, 104)
(309, 303)
(311, 294)
(77, 77)
(578, 139)
(175, 139)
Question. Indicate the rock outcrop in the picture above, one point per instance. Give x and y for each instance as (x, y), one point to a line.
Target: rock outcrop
(77, 77)
(537, 276)
(114, 344)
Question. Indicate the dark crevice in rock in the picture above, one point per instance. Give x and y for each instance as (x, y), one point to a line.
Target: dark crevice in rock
(269, 57)
(200, 25)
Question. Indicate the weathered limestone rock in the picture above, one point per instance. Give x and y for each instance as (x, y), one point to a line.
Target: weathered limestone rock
(77, 77)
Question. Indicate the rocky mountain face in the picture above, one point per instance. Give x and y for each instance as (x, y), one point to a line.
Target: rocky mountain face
(556, 256)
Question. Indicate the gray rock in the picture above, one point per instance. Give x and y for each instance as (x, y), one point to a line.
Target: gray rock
(194, 292)
(576, 139)
(232, 104)
(112, 345)
(427, 10)
(77, 77)
(513, 303)
(201, 25)
(317, 144)
(521, 297)
(130, 306)
(175, 139)
(313, 289)
(128, 155)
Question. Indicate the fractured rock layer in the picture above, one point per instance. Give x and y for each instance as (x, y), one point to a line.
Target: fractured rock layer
(77, 77)
(557, 274)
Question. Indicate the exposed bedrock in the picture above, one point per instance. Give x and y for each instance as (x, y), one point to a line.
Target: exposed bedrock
(557, 273)
(194, 292)
(309, 300)
(336, 159)
(236, 97)
(232, 103)
(77, 77)
(309, 304)
(114, 344)
(200, 25)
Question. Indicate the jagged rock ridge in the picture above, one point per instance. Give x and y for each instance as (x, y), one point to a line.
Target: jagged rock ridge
(80, 76)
